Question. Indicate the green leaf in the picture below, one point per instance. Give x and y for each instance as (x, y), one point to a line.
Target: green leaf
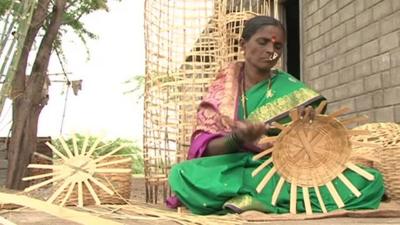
(4, 6)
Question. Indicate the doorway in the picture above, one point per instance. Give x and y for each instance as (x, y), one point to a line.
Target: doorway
(291, 21)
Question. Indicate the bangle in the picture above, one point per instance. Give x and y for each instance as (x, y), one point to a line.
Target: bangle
(233, 142)
(236, 139)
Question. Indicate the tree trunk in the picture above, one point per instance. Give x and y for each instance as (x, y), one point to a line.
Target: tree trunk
(30, 98)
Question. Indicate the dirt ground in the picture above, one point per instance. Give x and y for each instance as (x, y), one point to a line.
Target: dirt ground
(25, 216)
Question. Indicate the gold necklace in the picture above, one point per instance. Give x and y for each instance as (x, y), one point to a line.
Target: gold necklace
(269, 93)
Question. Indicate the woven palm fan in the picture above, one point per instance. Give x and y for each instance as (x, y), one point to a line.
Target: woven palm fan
(77, 169)
(310, 155)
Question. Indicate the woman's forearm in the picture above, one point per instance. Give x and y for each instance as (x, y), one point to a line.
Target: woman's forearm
(223, 145)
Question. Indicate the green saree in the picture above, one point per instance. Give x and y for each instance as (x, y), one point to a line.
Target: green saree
(219, 184)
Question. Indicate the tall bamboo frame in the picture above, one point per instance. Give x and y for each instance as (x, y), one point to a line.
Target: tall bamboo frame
(187, 41)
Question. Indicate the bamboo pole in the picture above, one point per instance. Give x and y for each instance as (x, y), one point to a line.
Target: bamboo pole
(55, 210)
(24, 21)
(9, 23)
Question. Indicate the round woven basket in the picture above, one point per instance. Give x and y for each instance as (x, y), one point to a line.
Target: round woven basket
(365, 156)
(389, 166)
(388, 156)
(385, 134)
(312, 154)
(120, 183)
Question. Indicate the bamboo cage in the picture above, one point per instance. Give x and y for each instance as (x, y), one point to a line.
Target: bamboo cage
(187, 41)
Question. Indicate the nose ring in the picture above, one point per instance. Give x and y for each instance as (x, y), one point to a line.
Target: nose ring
(273, 56)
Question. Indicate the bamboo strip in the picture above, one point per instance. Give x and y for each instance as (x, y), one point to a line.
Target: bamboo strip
(261, 166)
(101, 185)
(360, 171)
(307, 203)
(321, 107)
(42, 156)
(358, 132)
(59, 190)
(43, 166)
(112, 170)
(54, 149)
(266, 140)
(277, 191)
(44, 183)
(293, 197)
(4, 221)
(336, 197)
(262, 154)
(113, 162)
(320, 200)
(349, 185)
(265, 180)
(75, 145)
(80, 194)
(85, 144)
(294, 114)
(278, 125)
(340, 112)
(69, 192)
(356, 119)
(307, 145)
(366, 144)
(93, 147)
(98, 150)
(110, 153)
(92, 192)
(65, 147)
(55, 210)
(40, 176)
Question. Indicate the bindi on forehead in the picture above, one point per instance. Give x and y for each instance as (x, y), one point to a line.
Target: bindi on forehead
(273, 38)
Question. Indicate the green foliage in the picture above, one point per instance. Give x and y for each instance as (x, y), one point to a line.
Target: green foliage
(136, 86)
(104, 147)
(72, 18)
(4, 6)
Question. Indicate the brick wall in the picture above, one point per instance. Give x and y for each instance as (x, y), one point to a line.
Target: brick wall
(41, 148)
(351, 54)
(3, 162)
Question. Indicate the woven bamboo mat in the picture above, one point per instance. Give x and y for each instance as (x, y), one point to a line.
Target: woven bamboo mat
(142, 213)
(386, 210)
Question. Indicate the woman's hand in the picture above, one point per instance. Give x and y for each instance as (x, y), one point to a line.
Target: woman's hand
(248, 132)
(307, 114)
(265, 143)
(243, 132)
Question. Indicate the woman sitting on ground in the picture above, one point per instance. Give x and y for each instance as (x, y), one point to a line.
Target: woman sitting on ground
(231, 118)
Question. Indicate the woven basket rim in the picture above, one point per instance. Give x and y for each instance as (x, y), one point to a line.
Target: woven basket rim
(318, 172)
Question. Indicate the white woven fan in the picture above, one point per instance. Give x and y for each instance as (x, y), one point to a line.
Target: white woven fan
(77, 168)
(310, 155)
